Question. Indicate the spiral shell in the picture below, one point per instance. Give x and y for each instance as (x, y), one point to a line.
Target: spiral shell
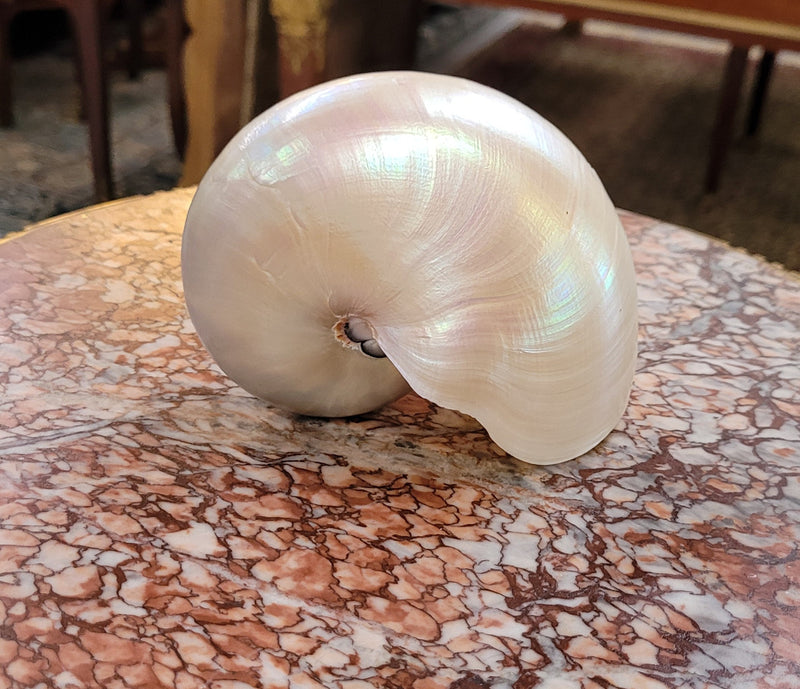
(402, 229)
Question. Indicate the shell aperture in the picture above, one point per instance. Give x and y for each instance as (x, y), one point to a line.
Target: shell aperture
(405, 230)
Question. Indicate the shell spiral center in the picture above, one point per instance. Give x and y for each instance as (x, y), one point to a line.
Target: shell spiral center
(357, 333)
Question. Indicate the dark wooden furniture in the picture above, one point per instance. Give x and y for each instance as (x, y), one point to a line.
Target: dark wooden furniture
(773, 24)
(87, 22)
(88, 19)
(304, 30)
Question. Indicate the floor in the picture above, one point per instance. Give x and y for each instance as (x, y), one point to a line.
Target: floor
(640, 105)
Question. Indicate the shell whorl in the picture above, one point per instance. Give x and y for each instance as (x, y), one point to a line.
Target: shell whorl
(464, 235)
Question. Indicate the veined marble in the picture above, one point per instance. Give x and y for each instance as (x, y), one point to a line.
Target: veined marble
(162, 528)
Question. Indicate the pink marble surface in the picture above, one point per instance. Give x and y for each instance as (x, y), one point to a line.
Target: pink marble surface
(161, 528)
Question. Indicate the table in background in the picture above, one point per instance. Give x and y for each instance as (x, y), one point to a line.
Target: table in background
(772, 24)
(159, 527)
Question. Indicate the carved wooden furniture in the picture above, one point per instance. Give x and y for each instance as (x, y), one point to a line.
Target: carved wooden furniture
(289, 45)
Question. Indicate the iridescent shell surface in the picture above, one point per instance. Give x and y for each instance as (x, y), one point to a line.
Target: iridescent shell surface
(446, 223)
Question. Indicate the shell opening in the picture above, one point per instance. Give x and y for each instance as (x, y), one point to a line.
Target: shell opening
(356, 333)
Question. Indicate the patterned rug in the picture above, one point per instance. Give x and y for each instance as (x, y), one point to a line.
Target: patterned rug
(640, 110)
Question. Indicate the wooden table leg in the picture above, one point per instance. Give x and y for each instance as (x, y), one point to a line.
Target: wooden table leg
(760, 92)
(88, 26)
(6, 110)
(302, 29)
(213, 73)
(134, 16)
(722, 133)
(175, 34)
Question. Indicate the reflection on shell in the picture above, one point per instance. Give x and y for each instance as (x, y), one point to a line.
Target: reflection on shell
(443, 223)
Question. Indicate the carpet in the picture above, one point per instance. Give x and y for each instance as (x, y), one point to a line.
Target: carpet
(639, 105)
(44, 157)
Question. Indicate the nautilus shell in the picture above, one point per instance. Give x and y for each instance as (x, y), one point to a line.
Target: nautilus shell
(405, 230)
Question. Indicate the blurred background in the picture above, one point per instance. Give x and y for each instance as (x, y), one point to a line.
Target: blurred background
(643, 103)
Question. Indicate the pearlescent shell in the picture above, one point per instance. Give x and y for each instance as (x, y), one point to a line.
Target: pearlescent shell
(466, 230)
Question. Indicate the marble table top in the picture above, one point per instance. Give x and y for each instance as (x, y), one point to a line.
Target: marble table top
(162, 528)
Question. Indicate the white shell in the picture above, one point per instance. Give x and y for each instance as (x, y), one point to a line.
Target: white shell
(457, 226)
